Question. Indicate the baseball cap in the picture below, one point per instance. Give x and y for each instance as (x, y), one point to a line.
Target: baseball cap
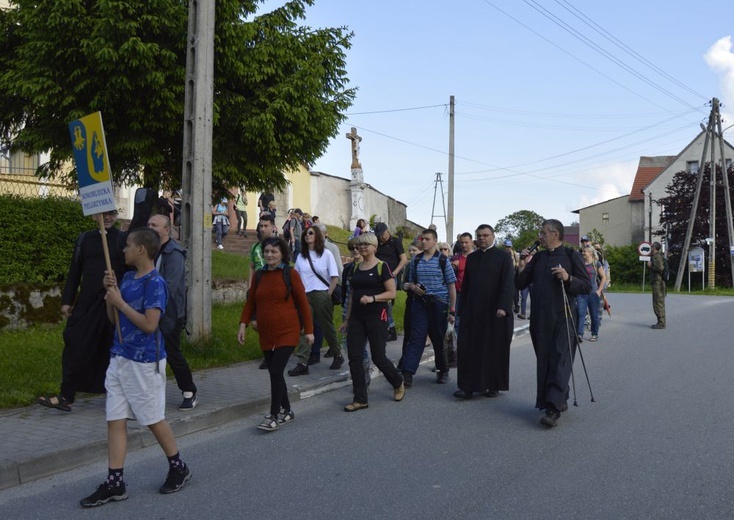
(380, 228)
(508, 243)
(585, 238)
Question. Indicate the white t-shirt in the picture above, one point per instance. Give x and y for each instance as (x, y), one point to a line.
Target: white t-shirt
(325, 265)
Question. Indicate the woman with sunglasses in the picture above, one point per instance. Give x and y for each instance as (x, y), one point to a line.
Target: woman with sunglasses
(372, 286)
(346, 292)
(319, 273)
(281, 313)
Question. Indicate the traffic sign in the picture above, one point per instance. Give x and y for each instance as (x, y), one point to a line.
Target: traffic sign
(645, 249)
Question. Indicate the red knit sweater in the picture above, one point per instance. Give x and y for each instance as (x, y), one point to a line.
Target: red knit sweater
(277, 319)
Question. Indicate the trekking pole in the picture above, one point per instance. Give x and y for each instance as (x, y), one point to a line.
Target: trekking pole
(568, 335)
(578, 345)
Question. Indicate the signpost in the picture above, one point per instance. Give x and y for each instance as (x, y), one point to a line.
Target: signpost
(94, 176)
(645, 250)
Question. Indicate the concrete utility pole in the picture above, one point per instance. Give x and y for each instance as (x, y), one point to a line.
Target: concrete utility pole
(450, 215)
(197, 166)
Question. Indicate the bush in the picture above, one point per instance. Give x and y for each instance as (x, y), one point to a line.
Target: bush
(38, 238)
(624, 265)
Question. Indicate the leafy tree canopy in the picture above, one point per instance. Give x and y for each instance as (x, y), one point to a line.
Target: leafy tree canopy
(521, 227)
(677, 214)
(280, 88)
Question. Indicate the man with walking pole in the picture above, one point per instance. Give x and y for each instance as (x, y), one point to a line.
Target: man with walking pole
(558, 275)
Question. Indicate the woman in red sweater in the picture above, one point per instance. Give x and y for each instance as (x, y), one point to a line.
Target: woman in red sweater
(278, 312)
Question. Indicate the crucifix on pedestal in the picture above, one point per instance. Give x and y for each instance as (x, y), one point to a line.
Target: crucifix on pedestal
(356, 187)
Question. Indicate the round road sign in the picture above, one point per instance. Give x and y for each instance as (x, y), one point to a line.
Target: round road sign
(645, 249)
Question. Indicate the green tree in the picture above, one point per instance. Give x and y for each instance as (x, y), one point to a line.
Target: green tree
(521, 227)
(280, 87)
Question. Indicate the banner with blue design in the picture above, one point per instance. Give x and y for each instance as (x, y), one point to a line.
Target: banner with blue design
(92, 164)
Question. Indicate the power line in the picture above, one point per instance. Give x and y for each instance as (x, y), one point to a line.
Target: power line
(444, 105)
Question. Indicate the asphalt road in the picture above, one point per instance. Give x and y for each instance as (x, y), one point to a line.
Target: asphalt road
(657, 443)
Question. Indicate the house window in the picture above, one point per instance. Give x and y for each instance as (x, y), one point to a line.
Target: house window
(728, 164)
(692, 167)
(605, 218)
(22, 164)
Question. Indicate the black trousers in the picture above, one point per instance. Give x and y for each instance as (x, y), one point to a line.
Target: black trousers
(373, 328)
(277, 360)
(175, 359)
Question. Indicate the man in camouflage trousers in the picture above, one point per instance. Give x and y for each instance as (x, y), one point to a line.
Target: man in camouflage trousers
(659, 290)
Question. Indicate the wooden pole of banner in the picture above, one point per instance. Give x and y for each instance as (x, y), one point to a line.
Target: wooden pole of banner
(108, 263)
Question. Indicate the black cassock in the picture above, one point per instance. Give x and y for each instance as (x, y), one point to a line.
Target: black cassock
(553, 335)
(483, 355)
(88, 332)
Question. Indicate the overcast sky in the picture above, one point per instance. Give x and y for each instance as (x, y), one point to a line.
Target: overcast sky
(555, 100)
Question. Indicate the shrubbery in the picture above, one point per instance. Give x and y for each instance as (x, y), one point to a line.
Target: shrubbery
(37, 238)
(624, 264)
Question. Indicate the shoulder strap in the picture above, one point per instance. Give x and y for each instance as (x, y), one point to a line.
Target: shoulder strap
(287, 281)
(313, 269)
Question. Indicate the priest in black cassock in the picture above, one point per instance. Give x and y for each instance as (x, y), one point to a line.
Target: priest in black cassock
(552, 271)
(487, 321)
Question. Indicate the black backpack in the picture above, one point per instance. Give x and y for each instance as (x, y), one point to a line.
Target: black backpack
(287, 230)
(666, 269)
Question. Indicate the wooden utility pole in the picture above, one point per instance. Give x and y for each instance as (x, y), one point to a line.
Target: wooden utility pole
(197, 166)
(450, 215)
(727, 193)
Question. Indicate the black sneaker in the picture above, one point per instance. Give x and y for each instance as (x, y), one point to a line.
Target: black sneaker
(551, 417)
(263, 365)
(175, 480)
(286, 417)
(313, 359)
(105, 493)
(189, 401)
(337, 363)
(269, 424)
(442, 377)
(299, 370)
(392, 334)
(407, 379)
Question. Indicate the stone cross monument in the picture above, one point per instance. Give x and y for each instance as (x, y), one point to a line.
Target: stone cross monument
(356, 186)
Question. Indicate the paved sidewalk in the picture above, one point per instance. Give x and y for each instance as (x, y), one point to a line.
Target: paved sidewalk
(38, 442)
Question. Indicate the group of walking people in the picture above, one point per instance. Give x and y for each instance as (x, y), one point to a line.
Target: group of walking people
(558, 277)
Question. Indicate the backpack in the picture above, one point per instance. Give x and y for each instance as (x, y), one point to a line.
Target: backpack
(666, 269)
(441, 262)
(287, 230)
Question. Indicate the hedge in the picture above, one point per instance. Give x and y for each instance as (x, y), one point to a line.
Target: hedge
(37, 238)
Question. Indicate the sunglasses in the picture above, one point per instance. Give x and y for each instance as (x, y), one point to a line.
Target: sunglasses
(354, 248)
(444, 249)
(310, 233)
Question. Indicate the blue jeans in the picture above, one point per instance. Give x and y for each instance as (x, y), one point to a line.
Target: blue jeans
(590, 302)
(427, 320)
(524, 300)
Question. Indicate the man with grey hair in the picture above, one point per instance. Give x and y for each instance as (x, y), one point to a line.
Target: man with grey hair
(557, 275)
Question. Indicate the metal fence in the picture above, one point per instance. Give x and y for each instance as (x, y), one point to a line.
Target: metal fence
(23, 182)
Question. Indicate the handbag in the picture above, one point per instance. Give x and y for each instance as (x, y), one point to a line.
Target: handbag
(336, 295)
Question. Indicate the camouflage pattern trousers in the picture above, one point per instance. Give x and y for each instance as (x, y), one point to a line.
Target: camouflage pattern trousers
(659, 291)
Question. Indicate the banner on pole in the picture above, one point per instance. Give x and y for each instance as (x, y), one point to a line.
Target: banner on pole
(92, 164)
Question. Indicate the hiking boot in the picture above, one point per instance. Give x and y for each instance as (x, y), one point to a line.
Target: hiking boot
(105, 493)
(189, 401)
(442, 377)
(392, 334)
(285, 417)
(329, 353)
(269, 424)
(400, 392)
(658, 326)
(299, 370)
(175, 480)
(337, 363)
(314, 359)
(355, 406)
(550, 419)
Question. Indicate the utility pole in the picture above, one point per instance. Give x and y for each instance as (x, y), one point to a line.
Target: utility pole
(197, 166)
(450, 215)
(439, 182)
(714, 124)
